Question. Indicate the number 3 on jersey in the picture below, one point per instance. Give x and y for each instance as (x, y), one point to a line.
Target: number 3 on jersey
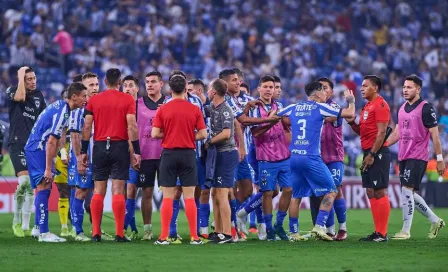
(302, 128)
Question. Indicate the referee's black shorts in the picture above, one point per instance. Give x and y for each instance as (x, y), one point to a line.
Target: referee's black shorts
(178, 163)
(110, 161)
(18, 159)
(377, 175)
(412, 172)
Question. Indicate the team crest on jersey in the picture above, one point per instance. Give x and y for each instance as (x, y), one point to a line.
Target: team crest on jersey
(366, 114)
(84, 179)
(142, 178)
(23, 161)
(37, 102)
(65, 115)
(56, 105)
(71, 176)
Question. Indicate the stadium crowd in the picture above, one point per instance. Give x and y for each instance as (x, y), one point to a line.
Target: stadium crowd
(298, 40)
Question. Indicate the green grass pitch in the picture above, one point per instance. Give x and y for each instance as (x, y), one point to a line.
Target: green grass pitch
(417, 254)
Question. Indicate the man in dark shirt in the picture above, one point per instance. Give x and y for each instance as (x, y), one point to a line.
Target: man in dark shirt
(25, 105)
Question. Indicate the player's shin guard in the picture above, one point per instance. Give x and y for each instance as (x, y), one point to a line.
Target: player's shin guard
(63, 206)
(321, 219)
(293, 225)
(96, 209)
(340, 209)
(166, 212)
(192, 214)
(173, 221)
(130, 212)
(383, 214)
(119, 207)
(41, 206)
(78, 215)
(27, 209)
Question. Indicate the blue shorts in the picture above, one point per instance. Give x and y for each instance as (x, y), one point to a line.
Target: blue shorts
(72, 170)
(310, 176)
(337, 172)
(86, 181)
(243, 170)
(226, 163)
(35, 161)
(272, 172)
(133, 176)
(252, 159)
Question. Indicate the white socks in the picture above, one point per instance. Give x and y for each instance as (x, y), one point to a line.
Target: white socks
(27, 209)
(19, 197)
(331, 230)
(407, 203)
(423, 208)
(343, 226)
(147, 227)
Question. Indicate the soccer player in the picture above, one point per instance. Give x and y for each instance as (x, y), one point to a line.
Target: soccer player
(113, 114)
(278, 88)
(61, 178)
(179, 117)
(375, 168)
(223, 142)
(332, 151)
(26, 102)
(244, 88)
(417, 123)
(197, 87)
(41, 149)
(273, 155)
(130, 87)
(309, 172)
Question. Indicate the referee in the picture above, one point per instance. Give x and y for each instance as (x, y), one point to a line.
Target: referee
(113, 114)
(176, 123)
(372, 128)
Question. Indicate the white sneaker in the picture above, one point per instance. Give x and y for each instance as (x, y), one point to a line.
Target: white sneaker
(262, 235)
(401, 236)
(309, 235)
(82, 238)
(50, 238)
(435, 228)
(241, 222)
(35, 232)
(321, 232)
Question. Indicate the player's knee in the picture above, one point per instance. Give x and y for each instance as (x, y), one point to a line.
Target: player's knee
(275, 193)
(268, 194)
(177, 194)
(64, 190)
(131, 191)
(147, 193)
(100, 188)
(340, 194)
(370, 193)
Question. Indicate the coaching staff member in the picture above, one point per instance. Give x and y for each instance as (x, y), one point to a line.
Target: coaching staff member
(24, 106)
(176, 122)
(113, 114)
(372, 128)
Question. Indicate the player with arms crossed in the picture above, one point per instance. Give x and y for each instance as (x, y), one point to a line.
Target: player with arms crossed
(372, 129)
(416, 124)
(41, 149)
(25, 105)
(309, 173)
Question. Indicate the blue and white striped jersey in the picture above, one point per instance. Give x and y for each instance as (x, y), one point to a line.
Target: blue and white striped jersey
(52, 121)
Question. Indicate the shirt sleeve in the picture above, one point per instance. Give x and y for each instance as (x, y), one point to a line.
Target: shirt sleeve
(382, 113)
(59, 122)
(287, 111)
(131, 106)
(237, 112)
(254, 113)
(158, 121)
(89, 107)
(43, 103)
(75, 121)
(227, 120)
(429, 116)
(327, 110)
(11, 92)
(200, 124)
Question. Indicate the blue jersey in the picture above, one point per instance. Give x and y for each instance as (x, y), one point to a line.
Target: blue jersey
(52, 121)
(195, 100)
(307, 119)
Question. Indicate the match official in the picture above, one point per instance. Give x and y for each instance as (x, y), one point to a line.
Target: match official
(176, 123)
(113, 114)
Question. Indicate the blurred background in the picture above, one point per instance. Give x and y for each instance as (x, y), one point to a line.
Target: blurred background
(297, 40)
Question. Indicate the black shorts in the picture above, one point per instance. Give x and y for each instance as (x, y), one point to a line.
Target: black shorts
(412, 172)
(147, 173)
(112, 162)
(18, 159)
(178, 163)
(377, 175)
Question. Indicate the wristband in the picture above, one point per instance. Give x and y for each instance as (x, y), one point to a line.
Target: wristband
(439, 157)
(136, 146)
(84, 146)
(63, 154)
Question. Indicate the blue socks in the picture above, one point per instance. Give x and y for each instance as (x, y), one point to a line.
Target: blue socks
(280, 218)
(196, 200)
(129, 218)
(293, 225)
(341, 209)
(204, 215)
(330, 220)
(70, 203)
(233, 208)
(268, 220)
(252, 223)
(259, 214)
(78, 215)
(322, 217)
(173, 223)
(41, 206)
(254, 202)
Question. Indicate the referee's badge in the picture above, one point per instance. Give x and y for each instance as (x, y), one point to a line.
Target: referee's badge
(366, 114)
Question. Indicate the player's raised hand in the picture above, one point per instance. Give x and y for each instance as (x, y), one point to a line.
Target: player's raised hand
(349, 96)
(273, 117)
(21, 72)
(136, 162)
